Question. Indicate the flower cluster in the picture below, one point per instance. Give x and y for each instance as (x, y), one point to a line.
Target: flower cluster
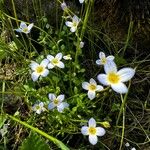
(49, 63)
(112, 78)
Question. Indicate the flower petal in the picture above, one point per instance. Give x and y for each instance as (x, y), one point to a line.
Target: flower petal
(85, 85)
(91, 95)
(73, 29)
(100, 131)
(93, 139)
(126, 74)
(99, 88)
(81, 1)
(110, 66)
(60, 65)
(110, 58)
(18, 30)
(51, 96)
(69, 24)
(44, 62)
(51, 106)
(50, 66)
(41, 104)
(59, 56)
(50, 57)
(34, 76)
(84, 130)
(98, 62)
(120, 88)
(61, 97)
(102, 78)
(38, 111)
(30, 26)
(45, 73)
(75, 19)
(92, 81)
(92, 122)
(23, 25)
(62, 106)
(34, 65)
(102, 55)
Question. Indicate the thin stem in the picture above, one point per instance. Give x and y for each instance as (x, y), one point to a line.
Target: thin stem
(123, 124)
(3, 90)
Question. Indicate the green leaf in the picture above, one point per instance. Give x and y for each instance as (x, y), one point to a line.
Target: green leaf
(34, 142)
(2, 120)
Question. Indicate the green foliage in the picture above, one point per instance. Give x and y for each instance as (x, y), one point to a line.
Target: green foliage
(2, 120)
(34, 142)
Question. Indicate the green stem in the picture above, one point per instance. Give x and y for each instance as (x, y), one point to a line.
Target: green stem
(54, 140)
(123, 104)
(3, 90)
(123, 125)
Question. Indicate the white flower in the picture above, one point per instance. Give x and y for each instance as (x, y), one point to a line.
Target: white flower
(81, 44)
(127, 144)
(63, 6)
(133, 148)
(81, 1)
(116, 78)
(67, 57)
(103, 59)
(92, 131)
(39, 69)
(38, 108)
(92, 87)
(74, 24)
(24, 28)
(55, 61)
(57, 102)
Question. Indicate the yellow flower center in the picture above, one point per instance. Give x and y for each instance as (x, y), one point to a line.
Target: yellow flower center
(55, 61)
(74, 24)
(103, 60)
(37, 107)
(92, 87)
(39, 69)
(92, 130)
(25, 29)
(113, 78)
(56, 101)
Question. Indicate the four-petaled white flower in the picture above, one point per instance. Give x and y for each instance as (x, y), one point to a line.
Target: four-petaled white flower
(116, 78)
(92, 87)
(67, 57)
(38, 108)
(55, 61)
(24, 28)
(103, 59)
(57, 102)
(92, 131)
(74, 24)
(81, 1)
(39, 69)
